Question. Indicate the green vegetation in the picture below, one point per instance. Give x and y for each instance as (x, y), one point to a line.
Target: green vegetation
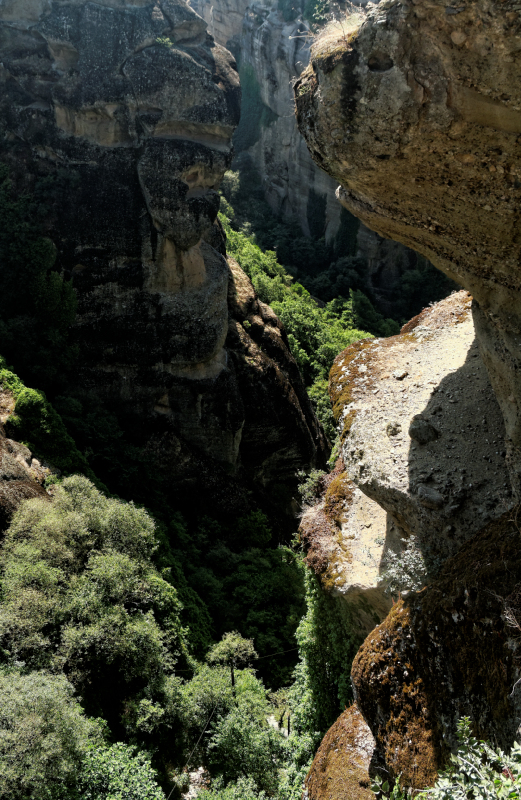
(37, 423)
(333, 270)
(476, 772)
(50, 750)
(316, 333)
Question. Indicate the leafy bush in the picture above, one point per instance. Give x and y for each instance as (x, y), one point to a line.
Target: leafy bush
(244, 789)
(311, 486)
(476, 772)
(44, 736)
(117, 773)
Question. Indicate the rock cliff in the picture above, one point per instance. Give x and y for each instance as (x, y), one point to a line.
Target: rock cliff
(118, 118)
(273, 53)
(415, 110)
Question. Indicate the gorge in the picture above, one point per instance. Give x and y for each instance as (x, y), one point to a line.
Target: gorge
(148, 498)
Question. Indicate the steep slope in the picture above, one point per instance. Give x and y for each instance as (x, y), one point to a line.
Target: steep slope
(118, 119)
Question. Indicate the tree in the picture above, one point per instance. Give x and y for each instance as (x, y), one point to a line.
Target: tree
(233, 651)
(80, 593)
(44, 736)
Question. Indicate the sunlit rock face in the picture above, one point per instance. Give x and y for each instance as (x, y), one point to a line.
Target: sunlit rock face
(417, 113)
(118, 117)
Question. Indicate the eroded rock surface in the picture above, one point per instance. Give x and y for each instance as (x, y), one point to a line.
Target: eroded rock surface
(423, 435)
(449, 651)
(119, 117)
(417, 113)
(347, 537)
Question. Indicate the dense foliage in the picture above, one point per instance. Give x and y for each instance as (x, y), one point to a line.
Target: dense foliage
(80, 594)
(476, 772)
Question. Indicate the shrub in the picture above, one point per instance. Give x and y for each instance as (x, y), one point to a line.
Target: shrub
(117, 773)
(476, 772)
(44, 737)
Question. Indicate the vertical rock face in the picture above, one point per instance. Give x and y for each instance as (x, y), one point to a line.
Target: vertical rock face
(273, 53)
(119, 118)
(417, 114)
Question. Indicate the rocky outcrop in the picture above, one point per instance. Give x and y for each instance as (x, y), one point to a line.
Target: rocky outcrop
(409, 468)
(21, 474)
(341, 765)
(119, 117)
(416, 112)
(449, 651)
(423, 435)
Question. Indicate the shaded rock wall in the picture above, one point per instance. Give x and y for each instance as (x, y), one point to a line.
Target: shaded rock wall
(119, 119)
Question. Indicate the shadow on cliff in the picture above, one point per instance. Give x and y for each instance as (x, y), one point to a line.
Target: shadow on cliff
(458, 480)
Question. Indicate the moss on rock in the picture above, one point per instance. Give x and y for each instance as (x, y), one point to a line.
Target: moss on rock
(443, 653)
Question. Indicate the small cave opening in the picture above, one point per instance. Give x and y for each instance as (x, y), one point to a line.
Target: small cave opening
(380, 62)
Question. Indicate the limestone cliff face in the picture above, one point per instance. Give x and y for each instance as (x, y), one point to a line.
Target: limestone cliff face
(274, 53)
(119, 118)
(417, 114)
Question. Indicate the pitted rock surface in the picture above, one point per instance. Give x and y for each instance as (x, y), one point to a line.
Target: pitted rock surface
(341, 767)
(429, 378)
(443, 653)
(416, 111)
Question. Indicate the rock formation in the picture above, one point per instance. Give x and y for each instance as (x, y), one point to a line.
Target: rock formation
(21, 475)
(273, 53)
(119, 117)
(416, 111)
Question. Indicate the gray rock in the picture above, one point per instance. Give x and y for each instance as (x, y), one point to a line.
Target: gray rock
(429, 497)
(422, 431)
